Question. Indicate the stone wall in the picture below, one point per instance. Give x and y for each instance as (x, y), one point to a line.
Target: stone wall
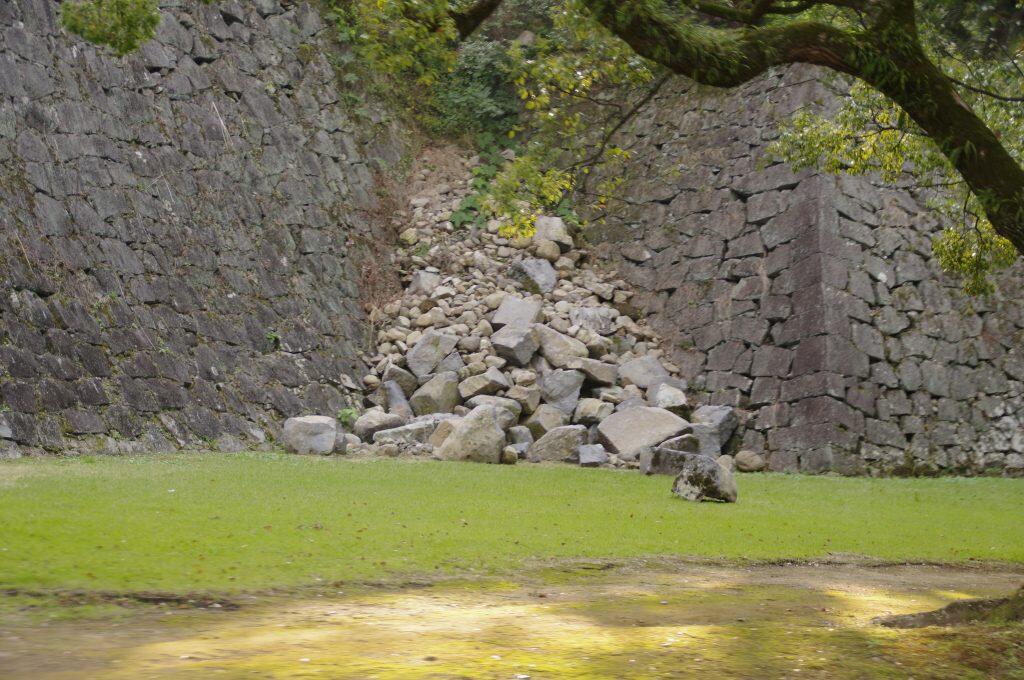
(181, 230)
(812, 301)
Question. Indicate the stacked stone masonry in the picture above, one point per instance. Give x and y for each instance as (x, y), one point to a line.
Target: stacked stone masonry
(812, 302)
(177, 229)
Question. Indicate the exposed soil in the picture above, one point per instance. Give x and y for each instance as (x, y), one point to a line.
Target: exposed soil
(638, 619)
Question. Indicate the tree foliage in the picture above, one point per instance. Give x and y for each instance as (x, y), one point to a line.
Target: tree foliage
(121, 25)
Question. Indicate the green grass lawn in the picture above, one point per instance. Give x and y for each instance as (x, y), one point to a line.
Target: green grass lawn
(246, 521)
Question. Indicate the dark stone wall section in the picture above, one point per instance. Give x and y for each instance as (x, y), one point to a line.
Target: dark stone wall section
(177, 229)
(812, 301)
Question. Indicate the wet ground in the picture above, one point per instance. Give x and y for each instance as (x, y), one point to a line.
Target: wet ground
(639, 619)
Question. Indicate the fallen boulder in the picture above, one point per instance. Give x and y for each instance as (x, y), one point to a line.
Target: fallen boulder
(310, 434)
(704, 479)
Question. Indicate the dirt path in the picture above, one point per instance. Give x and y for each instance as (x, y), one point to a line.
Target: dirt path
(587, 620)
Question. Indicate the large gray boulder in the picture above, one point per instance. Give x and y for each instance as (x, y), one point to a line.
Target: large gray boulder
(536, 275)
(478, 437)
(559, 444)
(374, 421)
(489, 382)
(559, 349)
(553, 229)
(431, 350)
(630, 431)
(702, 478)
(516, 344)
(517, 311)
(440, 394)
(561, 389)
(714, 426)
(310, 434)
(642, 372)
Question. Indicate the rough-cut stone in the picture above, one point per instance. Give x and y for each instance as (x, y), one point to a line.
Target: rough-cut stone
(404, 378)
(520, 434)
(596, 371)
(309, 434)
(517, 311)
(642, 372)
(413, 433)
(478, 437)
(423, 283)
(600, 320)
(593, 455)
(397, 403)
(702, 478)
(558, 444)
(441, 432)
(667, 396)
(561, 389)
(591, 411)
(432, 348)
(553, 229)
(440, 394)
(510, 409)
(489, 382)
(374, 421)
(749, 461)
(559, 349)
(536, 275)
(668, 458)
(528, 397)
(544, 419)
(515, 343)
(714, 426)
(628, 432)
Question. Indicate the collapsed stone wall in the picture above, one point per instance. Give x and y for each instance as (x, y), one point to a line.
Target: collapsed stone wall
(812, 301)
(182, 231)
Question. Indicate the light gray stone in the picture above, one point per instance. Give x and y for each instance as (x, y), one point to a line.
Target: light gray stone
(489, 382)
(404, 378)
(310, 434)
(558, 444)
(517, 311)
(413, 433)
(374, 421)
(510, 408)
(423, 283)
(536, 275)
(440, 394)
(667, 396)
(545, 418)
(642, 372)
(590, 411)
(559, 349)
(593, 455)
(597, 371)
(516, 343)
(628, 432)
(432, 348)
(714, 426)
(749, 461)
(397, 403)
(561, 389)
(478, 437)
(668, 458)
(600, 320)
(553, 229)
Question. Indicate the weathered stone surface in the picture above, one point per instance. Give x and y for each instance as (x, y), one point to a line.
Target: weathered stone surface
(667, 396)
(553, 229)
(478, 437)
(593, 455)
(528, 397)
(413, 433)
(596, 371)
(432, 348)
(510, 409)
(516, 343)
(668, 458)
(702, 478)
(628, 432)
(559, 349)
(440, 394)
(642, 372)
(397, 403)
(309, 434)
(404, 378)
(489, 382)
(544, 419)
(558, 444)
(591, 411)
(600, 320)
(424, 283)
(374, 421)
(749, 461)
(441, 432)
(536, 275)
(517, 311)
(561, 389)
(714, 426)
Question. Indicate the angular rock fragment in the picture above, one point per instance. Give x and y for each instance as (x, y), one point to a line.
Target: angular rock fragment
(714, 426)
(558, 444)
(310, 434)
(561, 389)
(749, 461)
(628, 432)
(374, 421)
(535, 274)
(596, 371)
(702, 478)
(517, 311)
(590, 411)
(478, 437)
(431, 349)
(440, 394)
(593, 455)
(489, 382)
(546, 418)
(553, 229)
(515, 343)
(559, 349)
(642, 372)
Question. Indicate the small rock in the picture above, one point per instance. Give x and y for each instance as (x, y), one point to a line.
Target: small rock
(642, 372)
(726, 461)
(520, 434)
(423, 283)
(559, 349)
(489, 382)
(374, 421)
(413, 433)
(714, 426)
(516, 343)
(593, 455)
(528, 397)
(517, 311)
(431, 349)
(553, 229)
(545, 418)
(598, 371)
(668, 459)
(509, 408)
(667, 396)
(591, 411)
(404, 378)
(546, 250)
